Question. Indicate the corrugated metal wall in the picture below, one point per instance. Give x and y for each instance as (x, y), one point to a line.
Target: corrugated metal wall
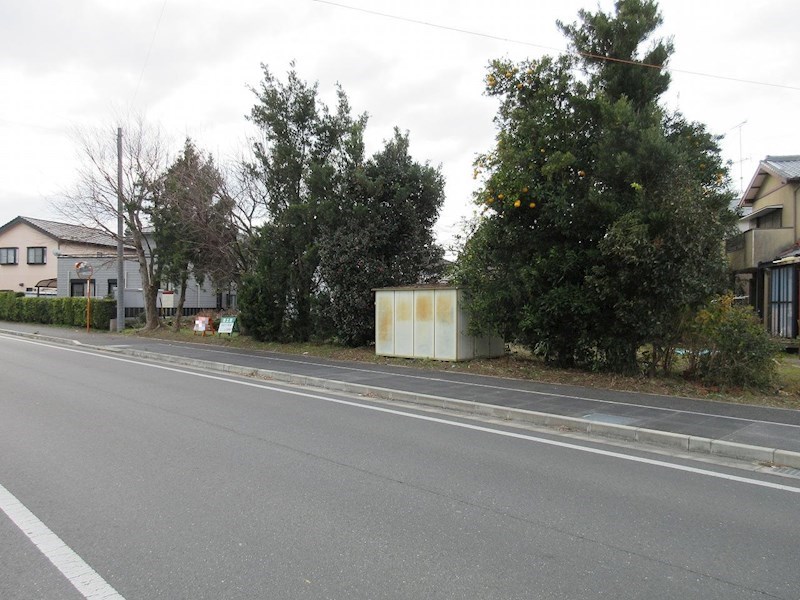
(427, 323)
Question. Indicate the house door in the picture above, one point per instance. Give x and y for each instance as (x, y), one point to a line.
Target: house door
(782, 306)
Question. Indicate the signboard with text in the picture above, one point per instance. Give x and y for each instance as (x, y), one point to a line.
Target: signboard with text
(227, 325)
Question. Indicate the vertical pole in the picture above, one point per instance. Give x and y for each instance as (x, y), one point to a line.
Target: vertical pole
(88, 303)
(120, 232)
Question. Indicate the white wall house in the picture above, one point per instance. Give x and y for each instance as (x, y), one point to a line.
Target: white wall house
(34, 252)
(29, 249)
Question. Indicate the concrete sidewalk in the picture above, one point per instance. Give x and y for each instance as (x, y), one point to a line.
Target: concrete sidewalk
(752, 433)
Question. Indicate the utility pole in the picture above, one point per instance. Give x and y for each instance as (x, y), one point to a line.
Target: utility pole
(120, 245)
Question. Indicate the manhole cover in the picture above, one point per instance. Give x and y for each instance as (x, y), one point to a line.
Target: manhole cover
(607, 418)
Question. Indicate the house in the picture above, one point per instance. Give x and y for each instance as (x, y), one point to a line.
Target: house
(103, 283)
(765, 257)
(29, 249)
(39, 257)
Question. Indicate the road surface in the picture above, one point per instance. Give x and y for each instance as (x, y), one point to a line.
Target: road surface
(126, 479)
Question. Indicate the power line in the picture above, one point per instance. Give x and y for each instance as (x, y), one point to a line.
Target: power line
(543, 47)
(149, 50)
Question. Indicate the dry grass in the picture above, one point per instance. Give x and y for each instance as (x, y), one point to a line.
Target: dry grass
(521, 365)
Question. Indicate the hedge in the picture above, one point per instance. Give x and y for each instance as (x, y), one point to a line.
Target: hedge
(56, 311)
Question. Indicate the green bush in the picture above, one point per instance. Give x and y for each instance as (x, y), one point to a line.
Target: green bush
(36, 310)
(59, 311)
(730, 347)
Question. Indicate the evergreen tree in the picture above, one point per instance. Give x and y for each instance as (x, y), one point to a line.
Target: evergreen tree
(604, 213)
(301, 163)
(191, 221)
(381, 234)
(338, 225)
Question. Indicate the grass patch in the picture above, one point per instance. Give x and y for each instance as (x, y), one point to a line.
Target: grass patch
(519, 364)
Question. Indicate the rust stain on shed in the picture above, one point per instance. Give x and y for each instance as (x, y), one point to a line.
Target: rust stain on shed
(385, 318)
(403, 306)
(424, 306)
(444, 308)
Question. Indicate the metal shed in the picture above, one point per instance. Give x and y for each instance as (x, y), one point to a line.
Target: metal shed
(428, 321)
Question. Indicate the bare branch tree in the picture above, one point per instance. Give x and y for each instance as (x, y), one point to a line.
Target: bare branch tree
(93, 200)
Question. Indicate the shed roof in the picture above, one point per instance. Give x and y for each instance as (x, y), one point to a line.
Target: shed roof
(421, 286)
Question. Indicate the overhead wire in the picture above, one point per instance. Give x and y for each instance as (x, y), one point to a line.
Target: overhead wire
(544, 47)
(149, 51)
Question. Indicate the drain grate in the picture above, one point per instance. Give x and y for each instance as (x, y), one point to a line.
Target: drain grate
(788, 471)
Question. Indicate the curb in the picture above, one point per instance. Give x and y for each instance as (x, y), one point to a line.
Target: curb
(653, 437)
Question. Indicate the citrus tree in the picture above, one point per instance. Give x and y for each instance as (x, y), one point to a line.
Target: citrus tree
(604, 213)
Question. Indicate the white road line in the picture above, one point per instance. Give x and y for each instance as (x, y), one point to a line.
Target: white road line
(73, 567)
(409, 415)
(503, 388)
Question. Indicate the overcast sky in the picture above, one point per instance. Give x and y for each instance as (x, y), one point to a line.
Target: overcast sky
(186, 65)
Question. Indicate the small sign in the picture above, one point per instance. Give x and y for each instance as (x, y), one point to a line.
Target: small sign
(202, 325)
(167, 299)
(227, 325)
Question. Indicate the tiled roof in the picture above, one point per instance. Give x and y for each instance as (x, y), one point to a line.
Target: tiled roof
(783, 167)
(787, 166)
(66, 232)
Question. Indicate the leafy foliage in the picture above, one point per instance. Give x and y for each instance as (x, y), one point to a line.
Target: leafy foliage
(193, 229)
(730, 346)
(603, 213)
(301, 162)
(338, 225)
(380, 234)
(262, 297)
(56, 311)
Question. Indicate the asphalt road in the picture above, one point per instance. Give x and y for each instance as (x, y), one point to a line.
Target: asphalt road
(166, 483)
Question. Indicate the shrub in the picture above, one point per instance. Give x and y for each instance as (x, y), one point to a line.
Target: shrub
(729, 346)
(60, 311)
(36, 310)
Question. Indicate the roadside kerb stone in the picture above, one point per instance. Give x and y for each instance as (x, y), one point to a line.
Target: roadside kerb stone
(787, 458)
(700, 445)
(606, 430)
(611, 430)
(655, 437)
(742, 451)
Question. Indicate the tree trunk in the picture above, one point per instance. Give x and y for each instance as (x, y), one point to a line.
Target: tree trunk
(150, 292)
(149, 285)
(179, 309)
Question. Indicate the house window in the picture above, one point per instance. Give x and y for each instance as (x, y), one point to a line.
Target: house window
(77, 288)
(8, 256)
(112, 288)
(770, 221)
(37, 255)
